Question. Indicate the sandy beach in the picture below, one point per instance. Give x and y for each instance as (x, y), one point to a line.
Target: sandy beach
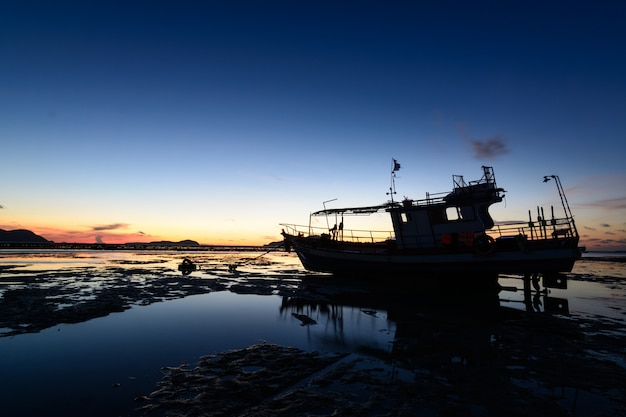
(445, 353)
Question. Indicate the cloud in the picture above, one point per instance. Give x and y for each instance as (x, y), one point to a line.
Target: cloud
(485, 148)
(113, 226)
(510, 222)
(489, 148)
(618, 203)
(605, 225)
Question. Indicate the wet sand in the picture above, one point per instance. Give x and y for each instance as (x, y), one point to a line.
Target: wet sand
(452, 354)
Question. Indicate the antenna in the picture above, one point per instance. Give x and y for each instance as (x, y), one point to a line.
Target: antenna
(327, 201)
(324, 204)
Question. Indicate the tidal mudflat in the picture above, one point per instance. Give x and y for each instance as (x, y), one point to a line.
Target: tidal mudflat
(250, 333)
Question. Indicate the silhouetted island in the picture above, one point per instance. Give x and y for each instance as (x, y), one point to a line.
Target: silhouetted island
(186, 242)
(22, 237)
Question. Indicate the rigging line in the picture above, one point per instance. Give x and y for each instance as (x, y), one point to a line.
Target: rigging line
(233, 266)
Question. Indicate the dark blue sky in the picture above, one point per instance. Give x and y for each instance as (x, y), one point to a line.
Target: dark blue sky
(292, 103)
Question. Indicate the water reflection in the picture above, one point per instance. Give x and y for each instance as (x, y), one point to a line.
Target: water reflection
(415, 315)
(325, 293)
(324, 301)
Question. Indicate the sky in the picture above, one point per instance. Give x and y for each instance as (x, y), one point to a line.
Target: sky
(139, 121)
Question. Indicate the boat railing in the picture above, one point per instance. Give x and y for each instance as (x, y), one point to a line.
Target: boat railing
(431, 199)
(343, 235)
(540, 229)
(488, 178)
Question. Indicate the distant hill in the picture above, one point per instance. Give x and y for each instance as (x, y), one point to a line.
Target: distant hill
(21, 236)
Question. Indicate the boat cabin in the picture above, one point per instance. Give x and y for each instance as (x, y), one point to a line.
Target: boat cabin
(455, 217)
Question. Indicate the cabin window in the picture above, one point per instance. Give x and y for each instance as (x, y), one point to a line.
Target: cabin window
(453, 214)
(405, 217)
(438, 216)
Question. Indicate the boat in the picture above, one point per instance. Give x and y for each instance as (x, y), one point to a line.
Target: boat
(449, 234)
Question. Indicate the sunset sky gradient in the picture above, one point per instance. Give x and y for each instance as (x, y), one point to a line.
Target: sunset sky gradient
(217, 120)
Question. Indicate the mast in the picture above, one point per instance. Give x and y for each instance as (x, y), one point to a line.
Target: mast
(395, 166)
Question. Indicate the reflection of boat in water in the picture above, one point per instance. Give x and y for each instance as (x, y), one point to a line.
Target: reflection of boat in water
(335, 303)
(442, 235)
(187, 266)
(384, 322)
(323, 292)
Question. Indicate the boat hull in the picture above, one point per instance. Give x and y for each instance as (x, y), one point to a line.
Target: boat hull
(546, 257)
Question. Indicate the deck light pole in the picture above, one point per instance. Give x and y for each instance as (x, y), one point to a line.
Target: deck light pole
(564, 202)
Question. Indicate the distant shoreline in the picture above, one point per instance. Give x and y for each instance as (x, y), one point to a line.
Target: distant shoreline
(176, 246)
(139, 247)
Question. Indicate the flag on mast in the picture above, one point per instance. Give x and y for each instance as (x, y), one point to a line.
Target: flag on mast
(396, 166)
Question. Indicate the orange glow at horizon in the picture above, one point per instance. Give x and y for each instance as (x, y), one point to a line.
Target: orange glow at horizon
(58, 235)
(592, 240)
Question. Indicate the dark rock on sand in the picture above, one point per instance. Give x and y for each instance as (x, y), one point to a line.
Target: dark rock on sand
(273, 380)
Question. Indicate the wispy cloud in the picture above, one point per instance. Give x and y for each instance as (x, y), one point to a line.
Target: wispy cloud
(114, 226)
(595, 188)
(618, 203)
(487, 147)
